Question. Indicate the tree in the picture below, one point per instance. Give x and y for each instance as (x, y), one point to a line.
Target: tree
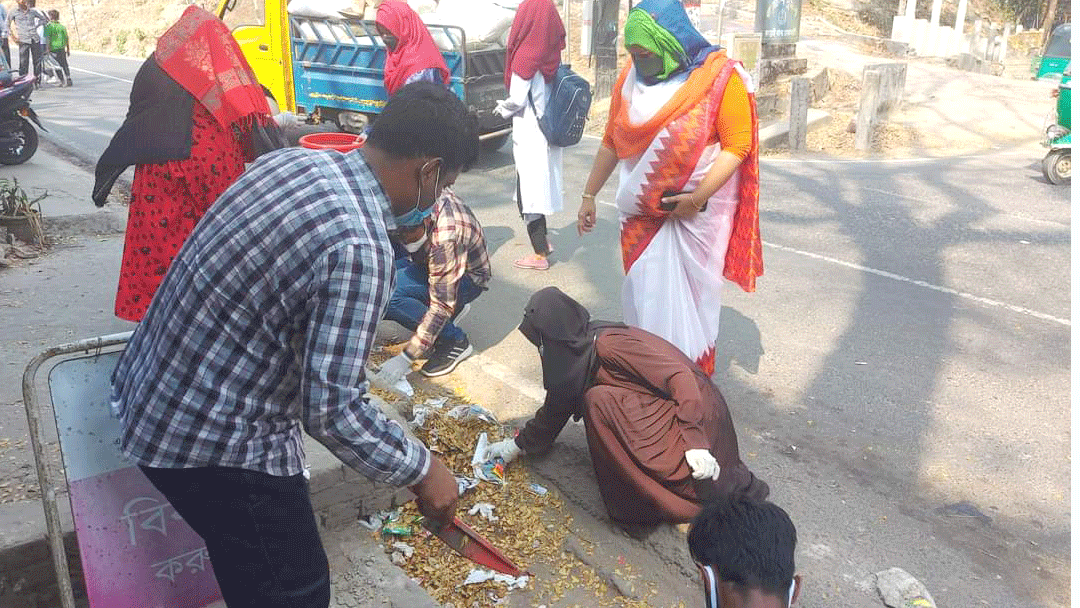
(1048, 21)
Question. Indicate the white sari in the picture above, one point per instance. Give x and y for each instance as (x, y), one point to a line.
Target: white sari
(672, 288)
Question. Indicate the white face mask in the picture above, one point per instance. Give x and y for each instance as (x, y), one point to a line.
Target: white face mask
(415, 246)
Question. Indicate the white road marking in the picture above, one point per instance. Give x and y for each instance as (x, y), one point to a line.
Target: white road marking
(896, 277)
(107, 56)
(946, 290)
(100, 74)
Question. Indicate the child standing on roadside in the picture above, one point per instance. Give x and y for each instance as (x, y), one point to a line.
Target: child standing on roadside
(56, 36)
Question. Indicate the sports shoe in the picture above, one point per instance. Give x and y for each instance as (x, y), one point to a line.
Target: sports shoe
(533, 262)
(446, 357)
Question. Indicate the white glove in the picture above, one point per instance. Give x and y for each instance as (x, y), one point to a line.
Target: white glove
(503, 109)
(286, 120)
(702, 464)
(392, 371)
(507, 449)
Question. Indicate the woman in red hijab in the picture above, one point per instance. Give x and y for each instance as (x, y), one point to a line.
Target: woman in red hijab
(533, 53)
(411, 54)
(197, 114)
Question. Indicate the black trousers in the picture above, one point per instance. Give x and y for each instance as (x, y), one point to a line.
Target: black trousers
(61, 58)
(260, 532)
(535, 225)
(5, 49)
(28, 51)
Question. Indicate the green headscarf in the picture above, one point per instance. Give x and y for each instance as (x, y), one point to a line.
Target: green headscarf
(642, 30)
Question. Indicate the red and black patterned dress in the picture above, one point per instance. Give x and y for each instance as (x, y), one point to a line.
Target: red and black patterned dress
(167, 200)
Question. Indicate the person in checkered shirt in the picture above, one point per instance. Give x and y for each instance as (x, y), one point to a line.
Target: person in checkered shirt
(260, 332)
(446, 268)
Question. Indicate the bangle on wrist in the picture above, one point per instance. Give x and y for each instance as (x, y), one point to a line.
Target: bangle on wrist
(591, 197)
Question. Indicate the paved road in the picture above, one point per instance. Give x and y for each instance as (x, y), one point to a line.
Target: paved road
(84, 117)
(901, 377)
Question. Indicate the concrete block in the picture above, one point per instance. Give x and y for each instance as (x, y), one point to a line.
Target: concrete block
(918, 36)
(868, 109)
(819, 85)
(901, 29)
(893, 80)
(800, 105)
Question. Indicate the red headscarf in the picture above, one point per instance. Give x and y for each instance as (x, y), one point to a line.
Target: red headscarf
(415, 50)
(536, 41)
(201, 55)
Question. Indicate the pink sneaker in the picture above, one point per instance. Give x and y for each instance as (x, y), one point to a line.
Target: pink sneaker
(533, 262)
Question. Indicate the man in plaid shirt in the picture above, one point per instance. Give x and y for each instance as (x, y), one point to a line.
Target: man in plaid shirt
(447, 267)
(260, 330)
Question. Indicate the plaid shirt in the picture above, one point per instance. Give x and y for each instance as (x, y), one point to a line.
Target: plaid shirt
(264, 322)
(455, 249)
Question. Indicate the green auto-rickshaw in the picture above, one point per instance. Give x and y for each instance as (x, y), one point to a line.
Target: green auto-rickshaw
(1056, 55)
(1057, 165)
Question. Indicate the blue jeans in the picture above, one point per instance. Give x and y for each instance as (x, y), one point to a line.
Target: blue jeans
(410, 301)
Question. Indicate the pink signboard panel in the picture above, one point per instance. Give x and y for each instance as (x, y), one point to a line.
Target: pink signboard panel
(136, 550)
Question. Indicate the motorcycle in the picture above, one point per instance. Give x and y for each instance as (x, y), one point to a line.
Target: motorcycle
(18, 139)
(1057, 165)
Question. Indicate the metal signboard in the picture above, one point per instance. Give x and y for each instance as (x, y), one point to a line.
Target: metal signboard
(136, 551)
(778, 21)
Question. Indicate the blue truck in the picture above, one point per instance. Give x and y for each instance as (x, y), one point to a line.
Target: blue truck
(331, 69)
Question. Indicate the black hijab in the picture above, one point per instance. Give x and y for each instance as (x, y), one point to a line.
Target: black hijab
(560, 327)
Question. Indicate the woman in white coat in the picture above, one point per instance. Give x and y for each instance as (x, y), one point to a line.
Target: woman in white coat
(533, 53)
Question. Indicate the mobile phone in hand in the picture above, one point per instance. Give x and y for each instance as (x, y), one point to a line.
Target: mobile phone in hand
(671, 206)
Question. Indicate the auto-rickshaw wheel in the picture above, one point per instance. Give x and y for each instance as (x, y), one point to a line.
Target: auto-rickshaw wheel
(1057, 166)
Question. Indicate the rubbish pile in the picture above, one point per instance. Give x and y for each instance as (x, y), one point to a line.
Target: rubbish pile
(522, 518)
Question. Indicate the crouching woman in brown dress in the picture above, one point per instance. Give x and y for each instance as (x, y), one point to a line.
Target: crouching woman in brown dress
(659, 431)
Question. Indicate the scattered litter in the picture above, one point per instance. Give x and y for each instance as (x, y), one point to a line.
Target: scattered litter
(405, 548)
(436, 403)
(485, 509)
(898, 589)
(477, 575)
(396, 525)
(397, 558)
(470, 412)
(464, 484)
(404, 387)
(420, 415)
(375, 520)
(493, 471)
(537, 489)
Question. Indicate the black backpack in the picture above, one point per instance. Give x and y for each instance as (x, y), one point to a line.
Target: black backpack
(567, 108)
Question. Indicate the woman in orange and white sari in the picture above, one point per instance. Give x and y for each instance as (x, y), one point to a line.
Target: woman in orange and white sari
(683, 133)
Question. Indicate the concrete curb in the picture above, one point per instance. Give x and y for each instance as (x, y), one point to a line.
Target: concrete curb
(338, 494)
(87, 224)
(776, 134)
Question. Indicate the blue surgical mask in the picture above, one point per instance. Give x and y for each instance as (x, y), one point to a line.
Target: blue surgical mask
(416, 216)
